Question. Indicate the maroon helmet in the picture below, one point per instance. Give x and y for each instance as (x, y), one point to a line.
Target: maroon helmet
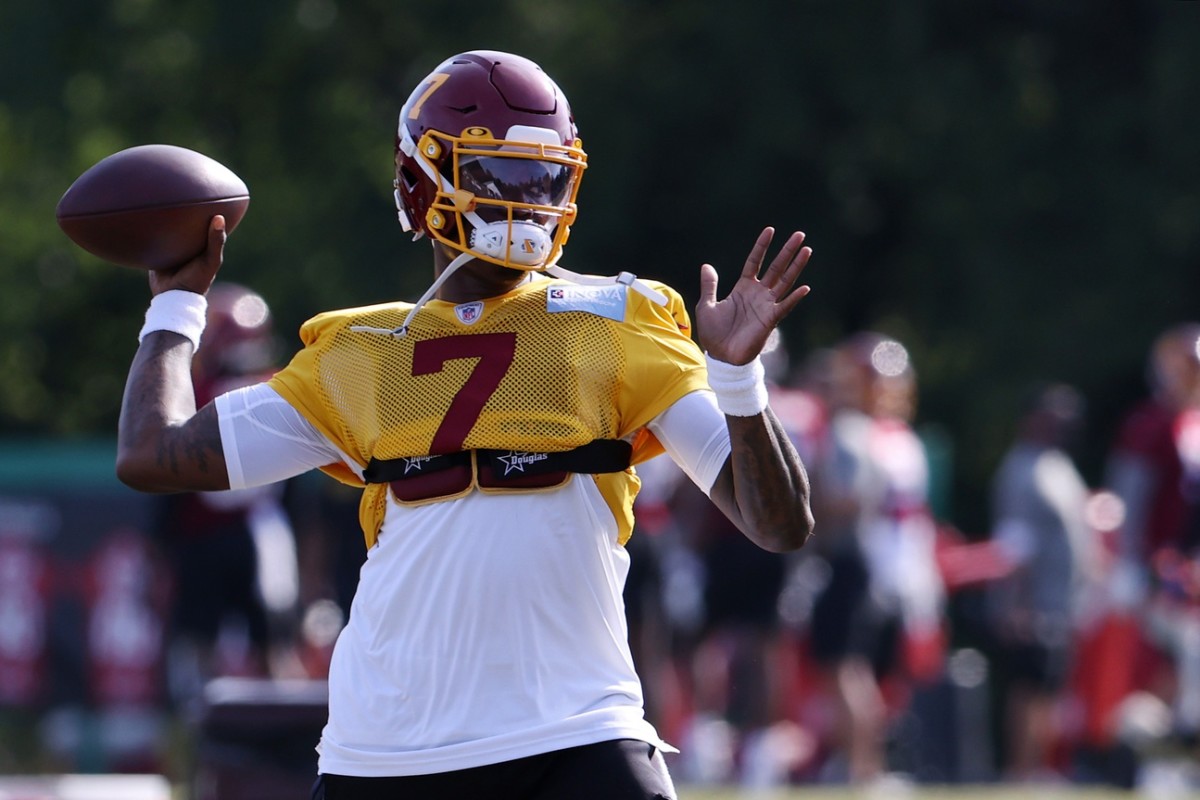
(239, 337)
(488, 160)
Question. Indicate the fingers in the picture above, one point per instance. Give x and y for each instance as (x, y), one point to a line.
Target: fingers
(216, 242)
(198, 274)
(788, 263)
(778, 279)
(794, 268)
(708, 284)
(789, 303)
(781, 276)
(757, 253)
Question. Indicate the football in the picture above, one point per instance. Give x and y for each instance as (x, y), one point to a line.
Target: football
(149, 207)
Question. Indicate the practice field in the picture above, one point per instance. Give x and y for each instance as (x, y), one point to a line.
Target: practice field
(916, 793)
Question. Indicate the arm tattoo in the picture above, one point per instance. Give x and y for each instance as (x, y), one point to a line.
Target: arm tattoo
(196, 444)
(164, 444)
(764, 487)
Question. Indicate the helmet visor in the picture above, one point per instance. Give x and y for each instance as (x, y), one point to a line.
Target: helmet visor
(526, 181)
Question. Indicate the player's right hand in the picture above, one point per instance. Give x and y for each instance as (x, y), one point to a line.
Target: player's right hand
(198, 274)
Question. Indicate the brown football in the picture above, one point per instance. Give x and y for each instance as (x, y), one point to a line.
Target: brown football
(149, 207)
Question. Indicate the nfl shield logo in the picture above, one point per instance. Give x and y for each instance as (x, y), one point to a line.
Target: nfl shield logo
(469, 313)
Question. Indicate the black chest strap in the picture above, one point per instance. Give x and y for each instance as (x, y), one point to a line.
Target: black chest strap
(593, 458)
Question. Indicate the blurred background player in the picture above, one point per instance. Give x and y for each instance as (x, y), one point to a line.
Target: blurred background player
(1154, 467)
(233, 552)
(877, 621)
(1039, 502)
(742, 658)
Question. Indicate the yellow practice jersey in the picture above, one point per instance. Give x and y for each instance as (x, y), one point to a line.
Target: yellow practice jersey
(548, 367)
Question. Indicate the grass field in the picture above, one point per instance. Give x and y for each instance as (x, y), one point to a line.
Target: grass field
(917, 793)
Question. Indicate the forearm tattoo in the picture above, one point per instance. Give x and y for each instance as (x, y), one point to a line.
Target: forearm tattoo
(764, 486)
(174, 446)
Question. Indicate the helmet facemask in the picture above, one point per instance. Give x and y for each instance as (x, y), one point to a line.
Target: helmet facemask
(508, 201)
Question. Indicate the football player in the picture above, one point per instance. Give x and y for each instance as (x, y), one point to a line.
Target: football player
(494, 427)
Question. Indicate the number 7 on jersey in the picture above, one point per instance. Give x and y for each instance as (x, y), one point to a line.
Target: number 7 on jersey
(495, 352)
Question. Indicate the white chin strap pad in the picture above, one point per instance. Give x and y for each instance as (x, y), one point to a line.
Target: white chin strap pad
(401, 214)
(528, 246)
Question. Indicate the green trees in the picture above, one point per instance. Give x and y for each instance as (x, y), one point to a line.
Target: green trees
(1008, 187)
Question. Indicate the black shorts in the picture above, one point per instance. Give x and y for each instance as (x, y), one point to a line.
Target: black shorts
(1036, 666)
(743, 584)
(848, 622)
(217, 577)
(623, 769)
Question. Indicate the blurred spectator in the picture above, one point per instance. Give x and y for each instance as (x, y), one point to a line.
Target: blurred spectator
(329, 562)
(742, 662)
(233, 553)
(1154, 467)
(878, 619)
(800, 399)
(736, 678)
(1039, 502)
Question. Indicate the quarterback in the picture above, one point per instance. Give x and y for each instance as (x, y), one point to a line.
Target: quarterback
(494, 427)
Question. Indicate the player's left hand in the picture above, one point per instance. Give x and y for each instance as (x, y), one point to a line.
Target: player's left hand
(735, 330)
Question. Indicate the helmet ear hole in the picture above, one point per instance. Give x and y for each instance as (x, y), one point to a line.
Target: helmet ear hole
(408, 178)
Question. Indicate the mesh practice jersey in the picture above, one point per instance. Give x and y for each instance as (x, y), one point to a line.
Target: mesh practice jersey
(488, 624)
(547, 367)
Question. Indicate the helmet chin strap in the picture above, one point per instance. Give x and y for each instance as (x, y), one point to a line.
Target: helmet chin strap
(624, 279)
(494, 239)
(402, 331)
(451, 268)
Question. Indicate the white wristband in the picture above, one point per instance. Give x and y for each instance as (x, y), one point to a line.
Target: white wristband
(741, 390)
(178, 311)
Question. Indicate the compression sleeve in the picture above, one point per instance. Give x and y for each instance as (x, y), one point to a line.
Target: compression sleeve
(694, 433)
(267, 440)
